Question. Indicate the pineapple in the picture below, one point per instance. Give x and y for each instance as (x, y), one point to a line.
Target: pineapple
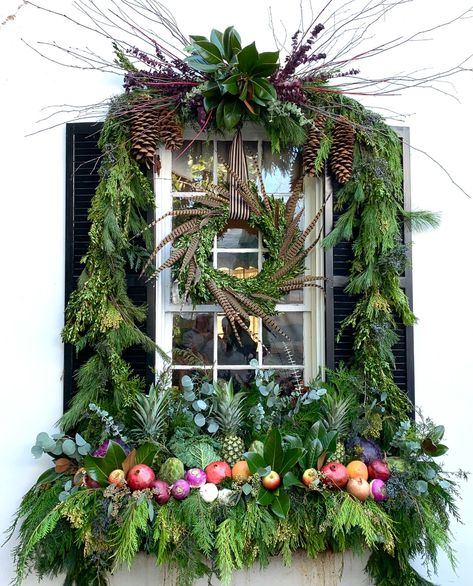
(336, 416)
(228, 413)
(150, 415)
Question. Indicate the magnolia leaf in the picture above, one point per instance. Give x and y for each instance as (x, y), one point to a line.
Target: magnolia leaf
(268, 57)
(281, 504)
(99, 468)
(47, 476)
(216, 38)
(273, 450)
(207, 51)
(290, 458)
(290, 479)
(255, 461)
(263, 89)
(265, 69)
(200, 65)
(248, 58)
(145, 454)
(129, 461)
(232, 112)
(230, 84)
(231, 42)
(265, 497)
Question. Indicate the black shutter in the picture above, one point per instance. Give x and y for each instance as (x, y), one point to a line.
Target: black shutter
(340, 304)
(82, 178)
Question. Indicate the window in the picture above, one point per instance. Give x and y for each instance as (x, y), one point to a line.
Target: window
(310, 318)
(199, 338)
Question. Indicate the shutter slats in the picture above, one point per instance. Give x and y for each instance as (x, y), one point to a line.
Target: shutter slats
(340, 304)
(82, 179)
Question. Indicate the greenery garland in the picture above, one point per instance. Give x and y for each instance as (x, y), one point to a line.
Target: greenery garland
(80, 520)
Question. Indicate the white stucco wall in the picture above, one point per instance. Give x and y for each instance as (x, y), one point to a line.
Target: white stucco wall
(32, 238)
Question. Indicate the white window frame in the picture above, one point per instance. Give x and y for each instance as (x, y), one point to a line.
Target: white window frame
(313, 306)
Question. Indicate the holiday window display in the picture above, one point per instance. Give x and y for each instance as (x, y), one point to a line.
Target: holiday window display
(201, 476)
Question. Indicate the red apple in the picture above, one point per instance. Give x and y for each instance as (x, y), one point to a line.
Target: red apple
(309, 476)
(218, 471)
(117, 477)
(379, 469)
(90, 482)
(359, 488)
(334, 475)
(140, 477)
(271, 481)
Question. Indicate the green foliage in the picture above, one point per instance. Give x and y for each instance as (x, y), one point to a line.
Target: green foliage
(237, 76)
(126, 538)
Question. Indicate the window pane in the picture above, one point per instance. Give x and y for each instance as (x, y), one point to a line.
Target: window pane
(278, 169)
(238, 264)
(240, 378)
(193, 168)
(238, 235)
(192, 339)
(230, 350)
(281, 350)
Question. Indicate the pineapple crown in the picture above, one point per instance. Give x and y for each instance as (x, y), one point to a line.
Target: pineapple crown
(228, 407)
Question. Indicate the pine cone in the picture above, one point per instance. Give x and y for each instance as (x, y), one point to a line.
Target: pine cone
(151, 126)
(169, 131)
(312, 145)
(341, 153)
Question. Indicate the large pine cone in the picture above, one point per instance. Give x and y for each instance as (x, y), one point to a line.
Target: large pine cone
(341, 153)
(312, 145)
(151, 125)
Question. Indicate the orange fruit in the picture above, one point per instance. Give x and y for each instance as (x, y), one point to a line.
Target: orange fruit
(241, 472)
(357, 469)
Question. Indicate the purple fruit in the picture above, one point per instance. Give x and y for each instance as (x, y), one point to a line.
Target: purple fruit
(196, 477)
(102, 449)
(378, 490)
(180, 489)
(365, 450)
(161, 491)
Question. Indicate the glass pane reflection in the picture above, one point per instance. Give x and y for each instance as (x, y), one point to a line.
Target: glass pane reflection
(241, 378)
(238, 264)
(230, 350)
(277, 346)
(192, 339)
(238, 235)
(279, 168)
(193, 168)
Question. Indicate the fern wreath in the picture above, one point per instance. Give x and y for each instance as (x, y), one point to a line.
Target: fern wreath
(283, 267)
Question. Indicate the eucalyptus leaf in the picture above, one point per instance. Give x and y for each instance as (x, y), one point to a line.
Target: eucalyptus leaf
(199, 420)
(213, 426)
(63, 495)
(83, 450)
(68, 447)
(207, 389)
(42, 438)
(37, 451)
(246, 489)
(264, 471)
(421, 486)
(189, 396)
(186, 382)
(80, 441)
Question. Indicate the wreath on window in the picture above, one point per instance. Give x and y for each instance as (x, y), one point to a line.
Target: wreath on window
(285, 243)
